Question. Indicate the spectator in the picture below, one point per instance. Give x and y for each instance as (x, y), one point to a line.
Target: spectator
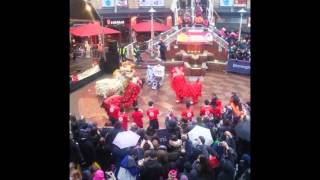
(98, 174)
(150, 133)
(244, 167)
(171, 120)
(201, 169)
(103, 153)
(152, 169)
(129, 168)
(75, 175)
(155, 142)
(229, 139)
(187, 171)
(88, 149)
(236, 108)
(226, 170)
(133, 127)
(172, 175)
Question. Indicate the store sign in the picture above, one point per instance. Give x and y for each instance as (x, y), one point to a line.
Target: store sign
(240, 3)
(110, 3)
(151, 2)
(115, 22)
(226, 2)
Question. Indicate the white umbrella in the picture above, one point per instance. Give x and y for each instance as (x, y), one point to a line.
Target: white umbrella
(126, 139)
(200, 131)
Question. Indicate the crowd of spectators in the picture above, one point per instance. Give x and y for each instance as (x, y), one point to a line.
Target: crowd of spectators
(94, 156)
(239, 50)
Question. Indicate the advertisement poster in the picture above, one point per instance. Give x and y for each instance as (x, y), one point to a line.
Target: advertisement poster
(226, 2)
(149, 2)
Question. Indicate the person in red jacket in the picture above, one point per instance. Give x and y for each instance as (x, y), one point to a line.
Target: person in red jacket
(216, 106)
(187, 114)
(206, 109)
(137, 116)
(113, 113)
(123, 118)
(153, 113)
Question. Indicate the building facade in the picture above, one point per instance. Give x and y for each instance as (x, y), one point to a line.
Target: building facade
(227, 15)
(123, 14)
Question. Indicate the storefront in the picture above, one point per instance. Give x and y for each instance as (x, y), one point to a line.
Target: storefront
(125, 18)
(229, 16)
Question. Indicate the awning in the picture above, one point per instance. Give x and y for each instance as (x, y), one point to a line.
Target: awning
(146, 27)
(91, 30)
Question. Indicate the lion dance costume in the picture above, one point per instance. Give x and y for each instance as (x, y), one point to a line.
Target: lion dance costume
(182, 88)
(123, 88)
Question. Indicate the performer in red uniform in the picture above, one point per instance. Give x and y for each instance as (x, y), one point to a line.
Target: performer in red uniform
(123, 118)
(153, 113)
(206, 109)
(113, 113)
(216, 106)
(187, 114)
(137, 116)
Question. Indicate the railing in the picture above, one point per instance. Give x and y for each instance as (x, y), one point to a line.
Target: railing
(170, 36)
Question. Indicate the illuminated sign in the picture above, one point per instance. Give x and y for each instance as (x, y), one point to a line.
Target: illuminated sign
(115, 22)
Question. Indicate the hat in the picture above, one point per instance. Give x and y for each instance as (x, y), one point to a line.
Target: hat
(246, 158)
(213, 161)
(172, 174)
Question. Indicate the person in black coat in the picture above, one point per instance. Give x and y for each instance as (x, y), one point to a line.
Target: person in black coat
(163, 50)
(75, 153)
(227, 170)
(187, 171)
(103, 153)
(152, 169)
(201, 168)
(117, 128)
(88, 150)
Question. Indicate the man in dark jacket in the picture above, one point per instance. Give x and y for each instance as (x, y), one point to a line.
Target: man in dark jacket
(88, 150)
(227, 170)
(103, 154)
(75, 153)
(152, 169)
(163, 50)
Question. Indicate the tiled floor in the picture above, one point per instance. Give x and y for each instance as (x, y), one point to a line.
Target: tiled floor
(85, 102)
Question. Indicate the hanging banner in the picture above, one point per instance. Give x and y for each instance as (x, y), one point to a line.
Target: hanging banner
(149, 2)
(240, 3)
(226, 2)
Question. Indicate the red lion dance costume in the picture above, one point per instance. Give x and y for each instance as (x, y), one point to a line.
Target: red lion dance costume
(123, 89)
(183, 88)
(130, 95)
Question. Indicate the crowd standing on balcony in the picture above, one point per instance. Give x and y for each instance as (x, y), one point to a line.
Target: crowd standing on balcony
(93, 156)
